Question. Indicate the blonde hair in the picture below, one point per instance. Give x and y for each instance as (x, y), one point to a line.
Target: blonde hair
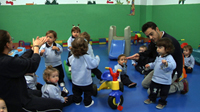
(48, 71)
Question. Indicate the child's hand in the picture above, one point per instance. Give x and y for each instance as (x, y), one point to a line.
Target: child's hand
(42, 52)
(165, 62)
(189, 67)
(147, 66)
(134, 64)
(55, 48)
(70, 48)
(66, 99)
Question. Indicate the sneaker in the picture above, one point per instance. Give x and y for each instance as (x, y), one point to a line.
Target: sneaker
(77, 103)
(62, 84)
(160, 106)
(185, 87)
(132, 85)
(90, 104)
(65, 90)
(148, 101)
(69, 68)
(101, 81)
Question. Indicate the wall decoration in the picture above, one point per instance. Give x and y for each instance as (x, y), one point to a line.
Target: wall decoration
(90, 2)
(9, 2)
(181, 1)
(119, 2)
(109, 2)
(132, 12)
(49, 3)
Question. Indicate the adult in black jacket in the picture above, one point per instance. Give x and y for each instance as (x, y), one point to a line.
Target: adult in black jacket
(151, 30)
(13, 88)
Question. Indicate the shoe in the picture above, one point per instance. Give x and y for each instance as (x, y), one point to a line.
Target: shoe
(148, 101)
(77, 103)
(62, 84)
(185, 87)
(132, 85)
(90, 104)
(65, 90)
(101, 81)
(160, 106)
(69, 68)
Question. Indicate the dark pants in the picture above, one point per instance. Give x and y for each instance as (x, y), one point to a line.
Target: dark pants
(42, 104)
(69, 54)
(142, 70)
(61, 73)
(97, 72)
(125, 79)
(154, 89)
(78, 91)
(188, 70)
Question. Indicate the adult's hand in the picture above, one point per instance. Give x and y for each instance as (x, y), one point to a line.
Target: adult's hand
(39, 41)
(134, 57)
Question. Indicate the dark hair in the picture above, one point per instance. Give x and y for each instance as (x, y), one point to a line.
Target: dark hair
(189, 47)
(53, 32)
(167, 44)
(120, 56)
(75, 28)
(48, 71)
(79, 47)
(144, 46)
(148, 25)
(85, 35)
(4, 38)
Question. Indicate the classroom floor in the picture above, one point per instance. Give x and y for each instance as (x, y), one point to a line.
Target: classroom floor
(133, 97)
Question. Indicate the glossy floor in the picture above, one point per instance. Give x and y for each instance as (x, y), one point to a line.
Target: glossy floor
(133, 97)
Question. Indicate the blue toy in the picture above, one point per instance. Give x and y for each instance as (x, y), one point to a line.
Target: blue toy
(115, 99)
(17, 52)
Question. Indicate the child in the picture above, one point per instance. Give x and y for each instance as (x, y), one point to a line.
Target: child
(95, 71)
(51, 89)
(188, 59)
(51, 52)
(140, 65)
(81, 64)
(3, 107)
(162, 76)
(31, 80)
(75, 33)
(122, 61)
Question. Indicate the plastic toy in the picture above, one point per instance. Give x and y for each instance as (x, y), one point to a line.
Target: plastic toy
(68, 72)
(115, 99)
(17, 52)
(27, 45)
(125, 42)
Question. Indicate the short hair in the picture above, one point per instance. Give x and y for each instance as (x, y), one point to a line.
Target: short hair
(189, 47)
(4, 38)
(144, 46)
(148, 25)
(85, 35)
(48, 71)
(53, 32)
(120, 56)
(167, 44)
(79, 47)
(75, 28)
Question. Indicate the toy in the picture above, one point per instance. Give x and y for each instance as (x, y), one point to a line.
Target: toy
(17, 52)
(125, 42)
(27, 45)
(115, 99)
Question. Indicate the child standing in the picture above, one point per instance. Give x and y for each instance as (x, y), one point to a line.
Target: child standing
(75, 33)
(51, 89)
(95, 71)
(122, 61)
(188, 59)
(162, 76)
(51, 52)
(3, 107)
(81, 64)
(140, 65)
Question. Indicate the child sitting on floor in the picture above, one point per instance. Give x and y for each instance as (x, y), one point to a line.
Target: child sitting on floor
(188, 59)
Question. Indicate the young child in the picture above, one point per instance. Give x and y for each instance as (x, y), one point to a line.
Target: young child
(51, 89)
(51, 52)
(3, 107)
(81, 64)
(188, 59)
(95, 71)
(122, 61)
(75, 33)
(140, 65)
(163, 67)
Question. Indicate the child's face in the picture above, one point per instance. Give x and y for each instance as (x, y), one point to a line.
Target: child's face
(3, 107)
(51, 38)
(161, 50)
(54, 77)
(186, 52)
(122, 60)
(141, 49)
(75, 33)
